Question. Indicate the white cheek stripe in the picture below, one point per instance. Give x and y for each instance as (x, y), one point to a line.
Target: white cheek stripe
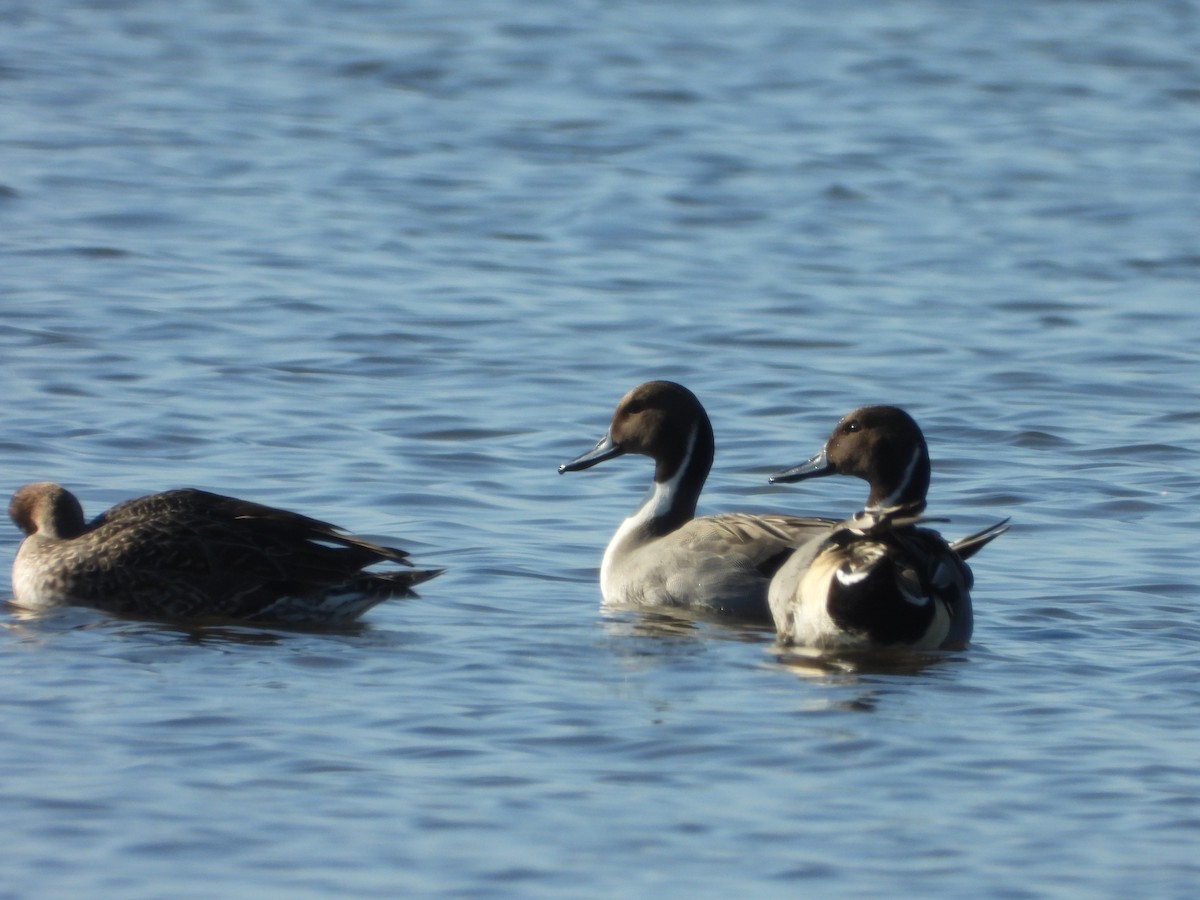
(894, 497)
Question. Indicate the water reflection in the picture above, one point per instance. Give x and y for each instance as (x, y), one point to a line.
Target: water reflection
(679, 623)
(30, 622)
(41, 623)
(822, 665)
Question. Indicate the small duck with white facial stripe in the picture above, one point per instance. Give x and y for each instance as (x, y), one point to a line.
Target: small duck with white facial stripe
(663, 555)
(878, 579)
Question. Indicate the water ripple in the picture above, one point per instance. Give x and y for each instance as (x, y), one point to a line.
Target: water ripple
(389, 264)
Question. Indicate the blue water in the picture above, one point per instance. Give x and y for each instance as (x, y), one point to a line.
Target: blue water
(389, 264)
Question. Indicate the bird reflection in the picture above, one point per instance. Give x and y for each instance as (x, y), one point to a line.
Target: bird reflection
(821, 664)
(32, 623)
(692, 625)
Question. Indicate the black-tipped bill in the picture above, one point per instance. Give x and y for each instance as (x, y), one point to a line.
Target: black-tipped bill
(605, 449)
(816, 467)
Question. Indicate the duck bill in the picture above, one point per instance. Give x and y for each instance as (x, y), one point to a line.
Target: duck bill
(605, 449)
(816, 467)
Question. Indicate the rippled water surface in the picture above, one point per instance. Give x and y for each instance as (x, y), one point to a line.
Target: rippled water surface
(390, 263)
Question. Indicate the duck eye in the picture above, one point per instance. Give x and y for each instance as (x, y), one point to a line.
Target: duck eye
(852, 426)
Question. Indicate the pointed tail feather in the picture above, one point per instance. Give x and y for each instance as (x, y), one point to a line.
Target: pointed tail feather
(973, 543)
(396, 584)
(416, 576)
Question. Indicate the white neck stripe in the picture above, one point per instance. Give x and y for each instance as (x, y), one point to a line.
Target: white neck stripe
(894, 497)
(655, 506)
(664, 493)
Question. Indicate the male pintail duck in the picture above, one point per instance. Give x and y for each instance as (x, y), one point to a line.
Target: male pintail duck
(662, 555)
(191, 555)
(878, 579)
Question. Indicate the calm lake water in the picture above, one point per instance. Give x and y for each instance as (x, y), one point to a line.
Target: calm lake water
(390, 263)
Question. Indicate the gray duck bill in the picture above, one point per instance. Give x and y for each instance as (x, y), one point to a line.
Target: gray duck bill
(604, 449)
(816, 467)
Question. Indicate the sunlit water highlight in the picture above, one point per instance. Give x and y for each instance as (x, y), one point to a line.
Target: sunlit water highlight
(389, 264)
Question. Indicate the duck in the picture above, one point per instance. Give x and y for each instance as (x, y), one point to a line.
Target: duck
(882, 578)
(663, 555)
(192, 555)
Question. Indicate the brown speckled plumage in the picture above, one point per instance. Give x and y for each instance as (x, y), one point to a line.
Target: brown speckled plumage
(193, 555)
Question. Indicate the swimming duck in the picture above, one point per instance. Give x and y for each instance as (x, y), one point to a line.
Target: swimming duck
(878, 579)
(662, 555)
(192, 555)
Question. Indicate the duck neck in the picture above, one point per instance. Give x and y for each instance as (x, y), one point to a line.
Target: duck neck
(678, 482)
(48, 510)
(901, 481)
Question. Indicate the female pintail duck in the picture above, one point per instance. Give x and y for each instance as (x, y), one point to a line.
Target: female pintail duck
(662, 555)
(877, 579)
(191, 555)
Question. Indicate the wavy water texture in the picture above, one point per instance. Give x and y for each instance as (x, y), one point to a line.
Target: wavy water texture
(389, 264)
